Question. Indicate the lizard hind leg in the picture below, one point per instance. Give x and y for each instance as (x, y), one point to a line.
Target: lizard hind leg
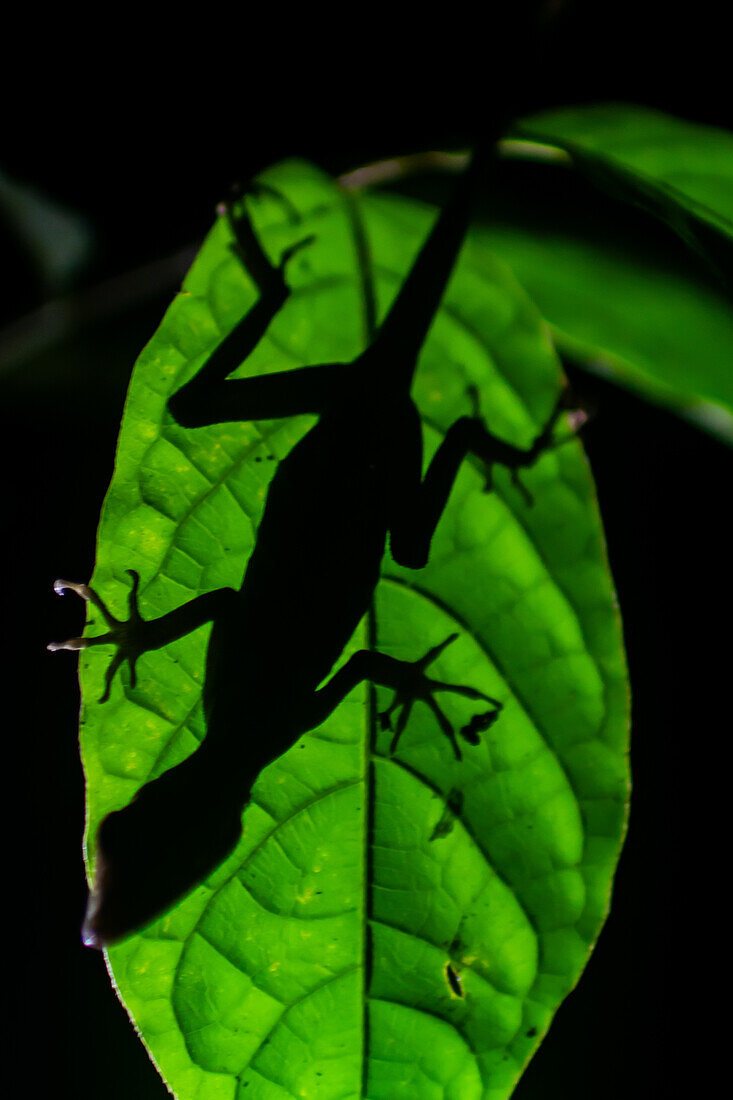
(418, 686)
(410, 684)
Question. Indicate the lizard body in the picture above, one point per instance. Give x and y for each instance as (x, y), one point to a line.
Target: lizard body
(354, 479)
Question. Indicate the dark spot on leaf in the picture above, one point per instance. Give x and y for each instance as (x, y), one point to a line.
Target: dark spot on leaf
(454, 981)
(456, 947)
(531, 1033)
(258, 458)
(453, 807)
(455, 801)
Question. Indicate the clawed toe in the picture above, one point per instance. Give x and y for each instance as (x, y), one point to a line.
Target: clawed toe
(70, 643)
(419, 687)
(120, 633)
(90, 596)
(82, 590)
(472, 731)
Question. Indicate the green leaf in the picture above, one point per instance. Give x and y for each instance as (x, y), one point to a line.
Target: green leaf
(648, 321)
(680, 170)
(390, 927)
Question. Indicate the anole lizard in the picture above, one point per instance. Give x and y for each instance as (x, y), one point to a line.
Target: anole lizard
(352, 480)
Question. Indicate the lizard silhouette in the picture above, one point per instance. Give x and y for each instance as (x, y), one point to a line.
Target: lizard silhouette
(355, 477)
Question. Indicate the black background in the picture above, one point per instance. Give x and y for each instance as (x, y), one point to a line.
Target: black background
(143, 135)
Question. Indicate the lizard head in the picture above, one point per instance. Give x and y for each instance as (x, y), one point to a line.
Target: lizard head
(155, 850)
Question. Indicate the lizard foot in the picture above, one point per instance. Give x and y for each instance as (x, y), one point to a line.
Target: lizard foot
(417, 686)
(259, 190)
(125, 635)
(255, 260)
(487, 447)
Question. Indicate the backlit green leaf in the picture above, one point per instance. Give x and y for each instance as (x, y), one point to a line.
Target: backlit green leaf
(646, 321)
(650, 326)
(681, 170)
(398, 928)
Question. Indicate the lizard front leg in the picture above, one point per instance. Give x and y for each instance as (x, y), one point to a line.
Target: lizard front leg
(211, 397)
(411, 684)
(418, 505)
(137, 635)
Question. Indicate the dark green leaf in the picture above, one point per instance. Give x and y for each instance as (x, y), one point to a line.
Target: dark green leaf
(647, 321)
(680, 170)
